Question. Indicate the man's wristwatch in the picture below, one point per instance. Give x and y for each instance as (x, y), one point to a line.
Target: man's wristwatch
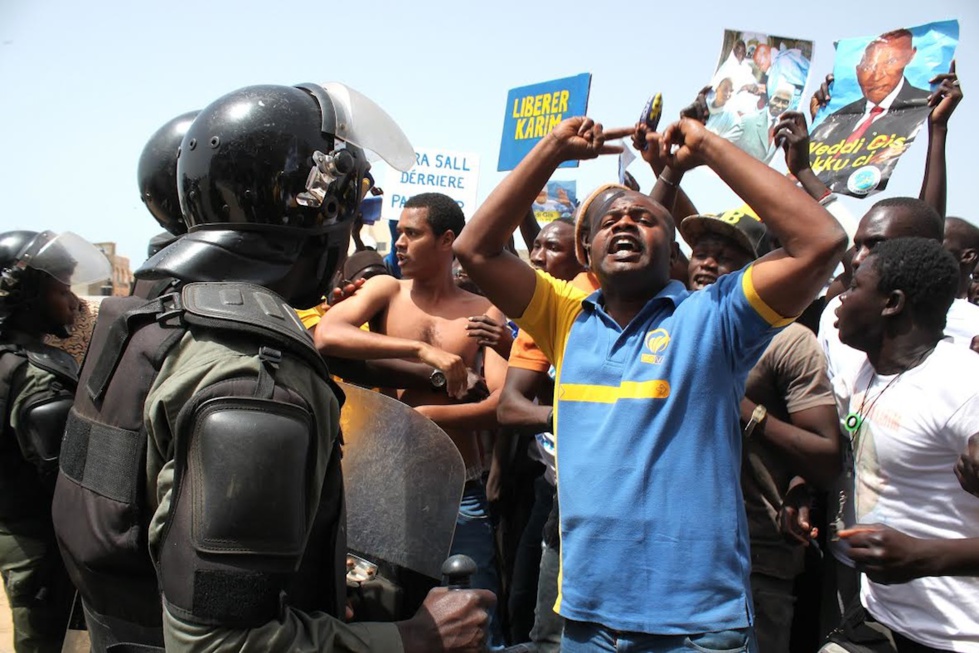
(437, 379)
(758, 416)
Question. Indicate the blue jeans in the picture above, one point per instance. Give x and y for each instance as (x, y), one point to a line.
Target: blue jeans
(474, 538)
(582, 637)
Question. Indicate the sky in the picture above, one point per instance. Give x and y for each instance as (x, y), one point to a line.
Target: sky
(86, 84)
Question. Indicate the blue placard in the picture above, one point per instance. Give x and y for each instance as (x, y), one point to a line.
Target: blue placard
(935, 48)
(533, 111)
(558, 199)
(879, 103)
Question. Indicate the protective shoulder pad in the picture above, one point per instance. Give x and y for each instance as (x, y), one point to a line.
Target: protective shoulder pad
(54, 360)
(250, 309)
(11, 358)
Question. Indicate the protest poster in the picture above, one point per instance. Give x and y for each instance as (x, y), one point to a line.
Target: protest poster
(758, 77)
(878, 103)
(558, 199)
(533, 111)
(626, 157)
(455, 174)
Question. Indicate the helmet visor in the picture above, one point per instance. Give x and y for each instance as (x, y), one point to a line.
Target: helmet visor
(67, 257)
(362, 123)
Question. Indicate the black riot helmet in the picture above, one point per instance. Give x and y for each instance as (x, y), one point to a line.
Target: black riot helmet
(18, 286)
(29, 259)
(156, 173)
(270, 179)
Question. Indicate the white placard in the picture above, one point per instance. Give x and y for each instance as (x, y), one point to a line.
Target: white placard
(455, 174)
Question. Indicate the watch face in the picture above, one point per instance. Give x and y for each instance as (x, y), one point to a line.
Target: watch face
(438, 379)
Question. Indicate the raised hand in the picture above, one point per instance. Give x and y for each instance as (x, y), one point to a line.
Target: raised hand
(945, 98)
(647, 142)
(582, 138)
(682, 143)
(821, 97)
(698, 108)
(792, 134)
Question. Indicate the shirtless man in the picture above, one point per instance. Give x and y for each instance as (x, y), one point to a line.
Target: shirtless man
(425, 317)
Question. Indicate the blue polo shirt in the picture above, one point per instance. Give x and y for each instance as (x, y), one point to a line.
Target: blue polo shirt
(653, 531)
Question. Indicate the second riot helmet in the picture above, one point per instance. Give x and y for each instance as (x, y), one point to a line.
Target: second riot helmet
(156, 173)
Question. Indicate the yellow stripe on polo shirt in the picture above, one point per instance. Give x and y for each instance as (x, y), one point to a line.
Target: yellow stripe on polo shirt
(767, 312)
(608, 394)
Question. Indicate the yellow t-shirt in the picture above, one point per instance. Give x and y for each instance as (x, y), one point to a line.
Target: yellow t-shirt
(310, 317)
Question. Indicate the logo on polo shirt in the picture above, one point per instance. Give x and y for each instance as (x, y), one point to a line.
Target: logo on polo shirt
(656, 343)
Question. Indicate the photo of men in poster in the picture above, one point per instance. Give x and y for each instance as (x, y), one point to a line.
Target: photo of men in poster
(556, 200)
(878, 103)
(758, 78)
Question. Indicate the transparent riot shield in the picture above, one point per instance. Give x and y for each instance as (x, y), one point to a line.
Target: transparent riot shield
(403, 480)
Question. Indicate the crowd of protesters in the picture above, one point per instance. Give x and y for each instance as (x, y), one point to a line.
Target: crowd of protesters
(769, 445)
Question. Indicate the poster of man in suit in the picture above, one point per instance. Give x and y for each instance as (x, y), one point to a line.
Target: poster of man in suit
(758, 77)
(879, 100)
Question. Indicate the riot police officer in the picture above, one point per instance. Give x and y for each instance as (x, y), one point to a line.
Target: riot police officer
(217, 408)
(37, 384)
(156, 176)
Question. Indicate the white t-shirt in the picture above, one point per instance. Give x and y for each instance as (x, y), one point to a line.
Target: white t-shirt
(916, 424)
(841, 360)
(962, 322)
(843, 363)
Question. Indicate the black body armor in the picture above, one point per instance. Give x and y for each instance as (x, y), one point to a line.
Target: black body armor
(29, 457)
(240, 557)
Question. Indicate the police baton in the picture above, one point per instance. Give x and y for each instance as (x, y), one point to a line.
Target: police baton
(458, 571)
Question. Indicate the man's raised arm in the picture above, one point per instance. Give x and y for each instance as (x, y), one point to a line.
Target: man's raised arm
(507, 281)
(812, 240)
(943, 102)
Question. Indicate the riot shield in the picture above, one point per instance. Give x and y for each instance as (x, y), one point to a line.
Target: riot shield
(403, 479)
